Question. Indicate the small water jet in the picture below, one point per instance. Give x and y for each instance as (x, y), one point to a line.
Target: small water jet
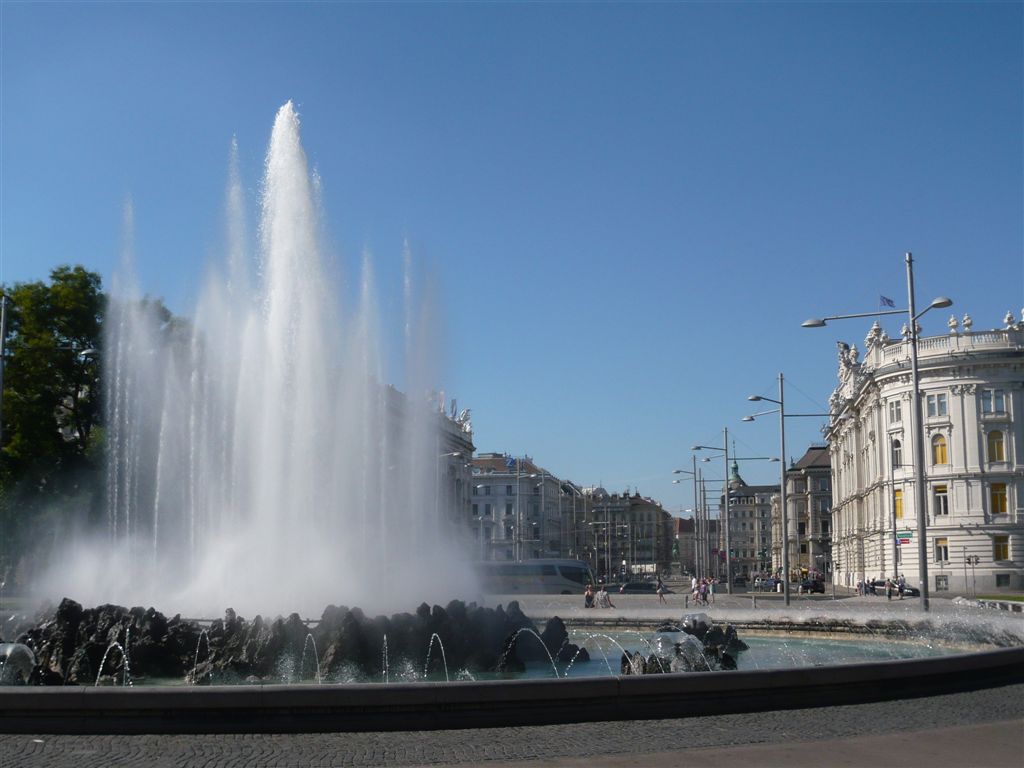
(426, 664)
(316, 658)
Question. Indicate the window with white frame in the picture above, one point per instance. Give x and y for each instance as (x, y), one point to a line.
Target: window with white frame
(895, 414)
(940, 495)
(1000, 547)
(897, 454)
(941, 550)
(997, 498)
(937, 405)
(993, 401)
(996, 449)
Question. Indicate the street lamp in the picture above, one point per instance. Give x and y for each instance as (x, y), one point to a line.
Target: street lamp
(698, 559)
(919, 490)
(728, 542)
(783, 510)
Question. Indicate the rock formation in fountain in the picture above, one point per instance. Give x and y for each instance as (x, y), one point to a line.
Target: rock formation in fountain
(256, 457)
(70, 645)
(699, 645)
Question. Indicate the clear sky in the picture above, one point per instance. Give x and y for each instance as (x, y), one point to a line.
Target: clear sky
(630, 208)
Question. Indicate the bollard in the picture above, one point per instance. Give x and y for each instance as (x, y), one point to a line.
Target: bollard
(686, 601)
(753, 599)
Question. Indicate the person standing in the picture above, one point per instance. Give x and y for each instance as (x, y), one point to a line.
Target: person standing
(661, 591)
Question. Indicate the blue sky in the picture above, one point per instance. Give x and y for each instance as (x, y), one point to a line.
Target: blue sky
(630, 208)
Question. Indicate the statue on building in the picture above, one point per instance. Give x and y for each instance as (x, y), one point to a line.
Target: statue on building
(463, 421)
(953, 325)
(1010, 320)
(968, 322)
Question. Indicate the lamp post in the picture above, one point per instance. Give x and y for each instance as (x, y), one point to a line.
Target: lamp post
(919, 490)
(783, 508)
(725, 508)
(697, 559)
(728, 553)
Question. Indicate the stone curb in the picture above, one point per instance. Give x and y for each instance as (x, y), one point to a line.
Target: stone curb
(429, 706)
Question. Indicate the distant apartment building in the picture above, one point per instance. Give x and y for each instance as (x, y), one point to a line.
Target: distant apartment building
(750, 526)
(516, 509)
(809, 523)
(972, 401)
(626, 536)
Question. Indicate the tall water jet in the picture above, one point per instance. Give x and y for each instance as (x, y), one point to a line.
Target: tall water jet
(256, 457)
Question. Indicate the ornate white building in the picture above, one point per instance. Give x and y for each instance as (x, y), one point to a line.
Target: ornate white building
(972, 385)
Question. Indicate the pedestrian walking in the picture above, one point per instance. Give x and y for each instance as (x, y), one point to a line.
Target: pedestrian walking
(661, 591)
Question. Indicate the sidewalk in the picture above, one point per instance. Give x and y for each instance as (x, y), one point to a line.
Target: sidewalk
(991, 745)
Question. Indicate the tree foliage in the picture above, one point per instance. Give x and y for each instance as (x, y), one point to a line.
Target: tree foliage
(52, 398)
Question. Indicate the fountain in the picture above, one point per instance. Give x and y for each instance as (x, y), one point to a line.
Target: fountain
(259, 448)
(257, 459)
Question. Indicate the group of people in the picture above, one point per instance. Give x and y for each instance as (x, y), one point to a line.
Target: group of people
(702, 590)
(599, 599)
(897, 587)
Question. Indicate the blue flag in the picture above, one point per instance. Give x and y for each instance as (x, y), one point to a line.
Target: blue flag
(510, 463)
(885, 301)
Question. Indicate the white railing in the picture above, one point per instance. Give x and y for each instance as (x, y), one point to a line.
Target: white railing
(1007, 338)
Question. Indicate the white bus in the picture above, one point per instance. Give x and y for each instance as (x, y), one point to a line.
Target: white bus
(535, 577)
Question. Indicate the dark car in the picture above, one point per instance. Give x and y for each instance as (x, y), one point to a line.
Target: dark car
(641, 588)
(808, 586)
(908, 591)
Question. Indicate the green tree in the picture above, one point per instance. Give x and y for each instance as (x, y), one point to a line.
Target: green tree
(52, 402)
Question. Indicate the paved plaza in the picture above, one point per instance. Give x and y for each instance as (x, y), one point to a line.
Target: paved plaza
(971, 730)
(966, 730)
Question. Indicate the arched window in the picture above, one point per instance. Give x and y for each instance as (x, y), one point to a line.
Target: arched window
(996, 452)
(897, 454)
(939, 453)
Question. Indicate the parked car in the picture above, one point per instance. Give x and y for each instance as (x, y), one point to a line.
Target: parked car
(641, 588)
(808, 586)
(908, 591)
(768, 584)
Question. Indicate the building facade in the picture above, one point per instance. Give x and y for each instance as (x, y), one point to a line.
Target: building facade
(625, 536)
(972, 401)
(750, 526)
(809, 525)
(515, 509)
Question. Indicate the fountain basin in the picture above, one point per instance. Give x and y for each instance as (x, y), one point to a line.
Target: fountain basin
(427, 706)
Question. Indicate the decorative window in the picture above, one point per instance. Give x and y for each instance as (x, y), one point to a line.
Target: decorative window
(508, 490)
(476, 490)
(476, 509)
(939, 453)
(997, 497)
(1000, 547)
(941, 496)
(941, 583)
(487, 490)
(941, 550)
(508, 508)
(996, 450)
(937, 405)
(894, 412)
(897, 504)
(993, 401)
(487, 510)
(897, 454)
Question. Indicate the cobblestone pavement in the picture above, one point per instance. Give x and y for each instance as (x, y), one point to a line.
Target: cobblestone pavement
(625, 743)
